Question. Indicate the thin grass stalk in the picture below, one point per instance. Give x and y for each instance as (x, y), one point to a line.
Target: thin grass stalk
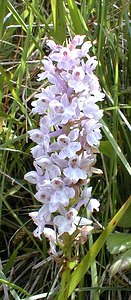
(21, 224)
(41, 18)
(113, 178)
(116, 147)
(22, 68)
(79, 24)
(14, 287)
(115, 112)
(86, 8)
(102, 19)
(2, 188)
(106, 213)
(15, 96)
(2, 15)
(20, 20)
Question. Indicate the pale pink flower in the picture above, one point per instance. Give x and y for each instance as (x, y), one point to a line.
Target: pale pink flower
(74, 172)
(91, 204)
(70, 222)
(61, 195)
(67, 140)
(32, 177)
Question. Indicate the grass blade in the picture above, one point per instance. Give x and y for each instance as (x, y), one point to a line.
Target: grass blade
(11, 260)
(77, 19)
(16, 15)
(40, 17)
(116, 147)
(2, 14)
(20, 21)
(58, 12)
(13, 286)
(86, 8)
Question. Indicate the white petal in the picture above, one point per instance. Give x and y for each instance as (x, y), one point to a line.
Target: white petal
(43, 161)
(36, 136)
(59, 197)
(37, 232)
(70, 150)
(44, 213)
(64, 225)
(82, 221)
(42, 196)
(51, 44)
(32, 177)
(85, 47)
(87, 193)
(78, 40)
(37, 151)
(74, 174)
(69, 191)
(93, 204)
(53, 206)
(73, 135)
(63, 140)
(50, 234)
(53, 171)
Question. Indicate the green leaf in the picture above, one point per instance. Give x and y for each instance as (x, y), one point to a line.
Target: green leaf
(106, 148)
(12, 286)
(122, 264)
(58, 12)
(125, 221)
(40, 17)
(2, 14)
(16, 15)
(86, 8)
(77, 19)
(118, 242)
(20, 21)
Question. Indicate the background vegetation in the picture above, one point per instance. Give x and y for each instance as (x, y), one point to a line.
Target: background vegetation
(26, 270)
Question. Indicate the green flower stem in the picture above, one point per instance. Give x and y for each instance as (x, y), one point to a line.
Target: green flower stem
(65, 280)
(65, 284)
(94, 275)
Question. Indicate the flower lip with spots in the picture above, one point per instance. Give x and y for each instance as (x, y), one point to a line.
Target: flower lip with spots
(61, 195)
(70, 222)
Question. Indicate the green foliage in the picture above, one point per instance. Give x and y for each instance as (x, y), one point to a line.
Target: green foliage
(94, 250)
(123, 263)
(59, 22)
(125, 221)
(26, 268)
(118, 242)
(78, 23)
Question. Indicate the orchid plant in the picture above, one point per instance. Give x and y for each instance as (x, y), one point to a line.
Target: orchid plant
(67, 141)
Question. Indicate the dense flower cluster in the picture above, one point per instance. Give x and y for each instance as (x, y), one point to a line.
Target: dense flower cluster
(67, 140)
